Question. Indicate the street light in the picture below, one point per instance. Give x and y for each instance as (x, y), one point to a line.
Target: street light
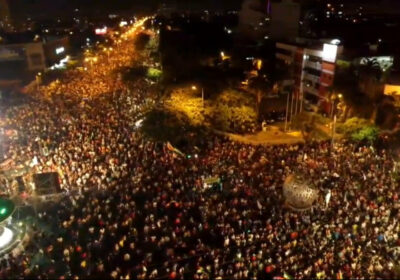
(334, 112)
(38, 80)
(202, 94)
(91, 60)
(287, 111)
(108, 51)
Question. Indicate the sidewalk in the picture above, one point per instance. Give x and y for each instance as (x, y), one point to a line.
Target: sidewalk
(274, 136)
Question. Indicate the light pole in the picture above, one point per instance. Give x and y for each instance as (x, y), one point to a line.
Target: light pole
(38, 80)
(91, 60)
(334, 113)
(333, 130)
(202, 94)
(301, 102)
(287, 111)
(291, 108)
(108, 52)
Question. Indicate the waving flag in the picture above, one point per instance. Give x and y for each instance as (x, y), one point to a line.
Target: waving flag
(173, 149)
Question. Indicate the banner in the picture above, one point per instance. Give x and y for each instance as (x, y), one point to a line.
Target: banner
(173, 149)
(212, 180)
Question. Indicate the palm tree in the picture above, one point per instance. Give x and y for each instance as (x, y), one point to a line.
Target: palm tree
(362, 90)
(346, 83)
(370, 77)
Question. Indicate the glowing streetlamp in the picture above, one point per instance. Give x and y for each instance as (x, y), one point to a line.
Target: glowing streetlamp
(224, 56)
(91, 60)
(108, 52)
(38, 80)
(194, 88)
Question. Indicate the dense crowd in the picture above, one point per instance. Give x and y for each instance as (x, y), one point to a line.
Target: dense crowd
(135, 210)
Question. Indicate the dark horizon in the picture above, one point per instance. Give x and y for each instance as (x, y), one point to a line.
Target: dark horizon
(21, 9)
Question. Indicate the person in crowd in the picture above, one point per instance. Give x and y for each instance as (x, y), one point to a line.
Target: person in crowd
(135, 210)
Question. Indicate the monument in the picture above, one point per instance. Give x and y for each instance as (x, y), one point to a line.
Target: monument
(298, 193)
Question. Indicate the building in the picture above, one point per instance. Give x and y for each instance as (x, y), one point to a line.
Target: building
(20, 15)
(312, 69)
(56, 49)
(21, 60)
(5, 16)
(285, 19)
(253, 19)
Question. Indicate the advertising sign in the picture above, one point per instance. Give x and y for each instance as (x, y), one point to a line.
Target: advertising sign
(329, 53)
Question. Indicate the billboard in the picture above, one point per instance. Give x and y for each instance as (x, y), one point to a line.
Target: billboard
(329, 53)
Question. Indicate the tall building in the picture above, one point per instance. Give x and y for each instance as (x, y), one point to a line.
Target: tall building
(285, 19)
(312, 69)
(5, 16)
(253, 19)
(19, 60)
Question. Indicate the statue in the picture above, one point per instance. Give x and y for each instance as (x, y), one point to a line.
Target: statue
(298, 193)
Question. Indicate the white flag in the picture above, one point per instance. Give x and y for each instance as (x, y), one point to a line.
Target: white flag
(328, 198)
(259, 205)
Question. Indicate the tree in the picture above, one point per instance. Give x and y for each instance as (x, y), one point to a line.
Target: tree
(164, 125)
(346, 83)
(370, 77)
(142, 40)
(154, 74)
(386, 113)
(367, 134)
(132, 73)
(361, 87)
(351, 126)
(259, 86)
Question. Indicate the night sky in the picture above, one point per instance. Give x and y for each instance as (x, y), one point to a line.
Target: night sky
(45, 8)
